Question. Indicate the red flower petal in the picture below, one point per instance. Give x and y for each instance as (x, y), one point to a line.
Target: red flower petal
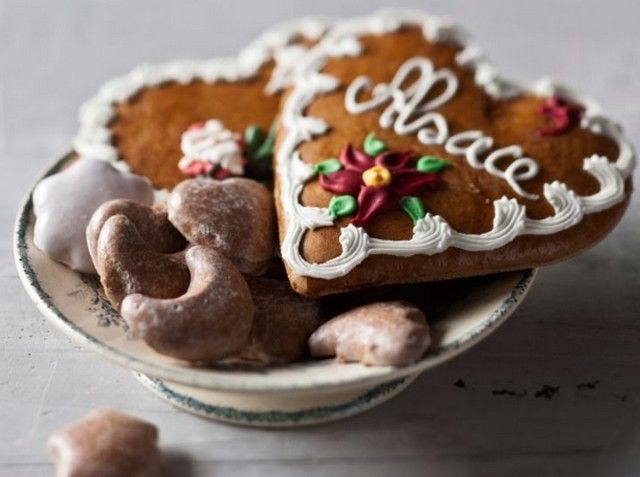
(394, 160)
(195, 126)
(342, 182)
(354, 159)
(411, 182)
(197, 168)
(562, 114)
(372, 201)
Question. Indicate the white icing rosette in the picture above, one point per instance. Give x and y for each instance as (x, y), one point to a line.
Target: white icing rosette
(208, 146)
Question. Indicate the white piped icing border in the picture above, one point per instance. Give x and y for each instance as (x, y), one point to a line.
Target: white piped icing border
(93, 140)
(432, 234)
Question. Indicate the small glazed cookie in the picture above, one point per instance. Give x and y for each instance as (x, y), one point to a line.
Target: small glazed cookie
(235, 216)
(402, 157)
(282, 324)
(127, 263)
(151, 222)
(63, 204)
(106, 443)
(209, 322)
(378, 334)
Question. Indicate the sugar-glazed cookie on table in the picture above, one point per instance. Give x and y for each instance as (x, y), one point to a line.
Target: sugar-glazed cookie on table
(404, 156)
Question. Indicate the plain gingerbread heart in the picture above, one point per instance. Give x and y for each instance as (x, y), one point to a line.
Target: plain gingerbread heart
(235, 217)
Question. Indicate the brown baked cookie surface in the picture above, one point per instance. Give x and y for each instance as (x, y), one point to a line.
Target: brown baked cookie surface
(147, 129)
(403, 157)
(176, 120)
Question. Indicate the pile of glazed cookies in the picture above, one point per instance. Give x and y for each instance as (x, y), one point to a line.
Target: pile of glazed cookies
(219, 200)
(194, 275)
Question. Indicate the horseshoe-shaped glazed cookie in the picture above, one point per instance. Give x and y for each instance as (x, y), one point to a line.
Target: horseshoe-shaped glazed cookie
(127, 263)
(209, 322)
(151, 222)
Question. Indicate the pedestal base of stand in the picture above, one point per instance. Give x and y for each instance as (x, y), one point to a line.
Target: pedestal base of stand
(275, 409)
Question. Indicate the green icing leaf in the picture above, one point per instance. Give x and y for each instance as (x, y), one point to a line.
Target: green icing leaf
(414, 208)
(328, 166)
(342, 205)
(259, 152)
(432, 164)
(253, 136)
(372, 145)
(265, 151)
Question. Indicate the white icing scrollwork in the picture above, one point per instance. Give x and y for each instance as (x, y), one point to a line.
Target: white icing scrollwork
(411, 110)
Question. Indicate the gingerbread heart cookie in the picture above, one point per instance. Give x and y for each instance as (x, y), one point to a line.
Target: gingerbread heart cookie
(185, 118)
(403, 156)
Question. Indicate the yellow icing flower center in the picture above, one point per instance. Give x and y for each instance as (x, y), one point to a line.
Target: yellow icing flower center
(376, 176)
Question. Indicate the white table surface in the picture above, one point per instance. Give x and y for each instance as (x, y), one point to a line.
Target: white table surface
(578, 331)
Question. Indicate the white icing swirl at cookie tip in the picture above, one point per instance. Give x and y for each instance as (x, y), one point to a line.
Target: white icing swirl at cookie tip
(432, 234)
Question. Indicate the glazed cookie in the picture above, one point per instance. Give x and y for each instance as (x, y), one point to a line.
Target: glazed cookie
(179, 119)
(235, 216)
(151, 222)
(106, 443)
(209, 322)
(64, 202)
(377, 334)
(128, 262)
(403, 157)
(282, 323)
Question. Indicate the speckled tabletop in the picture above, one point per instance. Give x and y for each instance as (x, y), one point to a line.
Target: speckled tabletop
(554, 392)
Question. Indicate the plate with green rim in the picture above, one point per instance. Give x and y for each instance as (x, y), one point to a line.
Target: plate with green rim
(461, 313)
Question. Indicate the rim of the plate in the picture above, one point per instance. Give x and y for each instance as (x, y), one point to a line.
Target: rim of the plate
(216, 379)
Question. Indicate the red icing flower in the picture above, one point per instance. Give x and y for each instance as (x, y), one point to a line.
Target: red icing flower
(562, 114)
(379, 182)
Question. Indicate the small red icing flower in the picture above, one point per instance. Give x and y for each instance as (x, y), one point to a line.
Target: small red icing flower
(385, 181)
(211, 150)
(562, 114)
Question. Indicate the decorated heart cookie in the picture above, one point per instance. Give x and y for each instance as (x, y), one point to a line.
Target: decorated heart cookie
(128, 262)
(403, 156)
(209, 322)
(180, 119)
(235, 216)
(106, 443)
(377, 334)
(63, 204)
